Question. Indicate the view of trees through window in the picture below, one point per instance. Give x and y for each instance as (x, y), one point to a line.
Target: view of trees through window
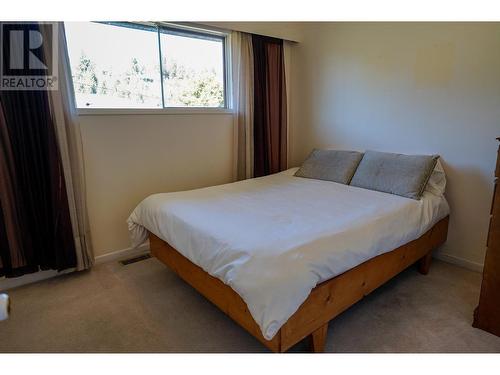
(119, 67)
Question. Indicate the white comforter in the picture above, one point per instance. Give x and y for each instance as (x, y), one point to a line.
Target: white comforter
(272, 239)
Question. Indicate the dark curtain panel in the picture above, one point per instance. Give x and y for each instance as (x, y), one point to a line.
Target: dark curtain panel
(270, 122)
(35, 226)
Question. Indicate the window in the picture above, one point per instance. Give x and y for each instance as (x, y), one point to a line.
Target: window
(132, 65)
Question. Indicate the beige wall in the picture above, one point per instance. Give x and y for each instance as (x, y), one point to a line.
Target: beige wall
(128, 157)
(410, 88)
(413, 88)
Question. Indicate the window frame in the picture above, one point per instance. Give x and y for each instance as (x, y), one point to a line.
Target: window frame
(185, 29)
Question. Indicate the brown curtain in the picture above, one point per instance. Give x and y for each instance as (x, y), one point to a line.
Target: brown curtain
(270, 122)
(35, 226)
(11, 253)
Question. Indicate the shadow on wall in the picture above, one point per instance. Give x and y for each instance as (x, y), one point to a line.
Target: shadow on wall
(464, 186)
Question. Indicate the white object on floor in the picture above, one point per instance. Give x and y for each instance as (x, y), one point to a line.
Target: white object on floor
(273, 239)
(4, 306)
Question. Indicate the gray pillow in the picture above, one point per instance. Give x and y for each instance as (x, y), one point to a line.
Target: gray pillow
(404, 175)
(330, 165)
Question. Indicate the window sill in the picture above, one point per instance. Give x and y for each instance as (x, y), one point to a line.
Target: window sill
(152, 111)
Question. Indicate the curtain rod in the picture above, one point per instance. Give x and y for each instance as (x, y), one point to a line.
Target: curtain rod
(218, 26)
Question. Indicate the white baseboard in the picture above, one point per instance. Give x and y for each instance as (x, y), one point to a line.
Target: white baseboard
(117, 255)
(473, 266)
(14, 282)
(9, 283)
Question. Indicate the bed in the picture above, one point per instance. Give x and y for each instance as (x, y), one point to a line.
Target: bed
(283, 255)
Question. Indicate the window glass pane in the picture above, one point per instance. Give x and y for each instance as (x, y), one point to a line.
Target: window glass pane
(114, 66)
(193, 71)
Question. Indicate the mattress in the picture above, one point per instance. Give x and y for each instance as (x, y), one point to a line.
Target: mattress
(273, 239)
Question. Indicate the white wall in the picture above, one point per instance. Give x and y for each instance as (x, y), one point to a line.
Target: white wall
(128, 157)
(410, 88)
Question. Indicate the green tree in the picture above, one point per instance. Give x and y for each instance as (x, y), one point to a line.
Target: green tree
(183, 86)
(138, 82)
(191, 88)
(85, 77)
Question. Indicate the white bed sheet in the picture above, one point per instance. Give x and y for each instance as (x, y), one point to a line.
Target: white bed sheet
(274, 238)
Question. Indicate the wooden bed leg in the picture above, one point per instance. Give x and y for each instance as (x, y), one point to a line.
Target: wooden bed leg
(318, 339)
(424, 264)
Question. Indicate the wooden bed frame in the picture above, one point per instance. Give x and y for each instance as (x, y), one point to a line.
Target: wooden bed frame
(326, 301)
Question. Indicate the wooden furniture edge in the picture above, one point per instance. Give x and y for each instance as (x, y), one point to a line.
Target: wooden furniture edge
(487, 312)
(220, 294)
(326, 301)
(332, 297)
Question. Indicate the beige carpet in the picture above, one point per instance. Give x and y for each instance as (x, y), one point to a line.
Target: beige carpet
(144, 307)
